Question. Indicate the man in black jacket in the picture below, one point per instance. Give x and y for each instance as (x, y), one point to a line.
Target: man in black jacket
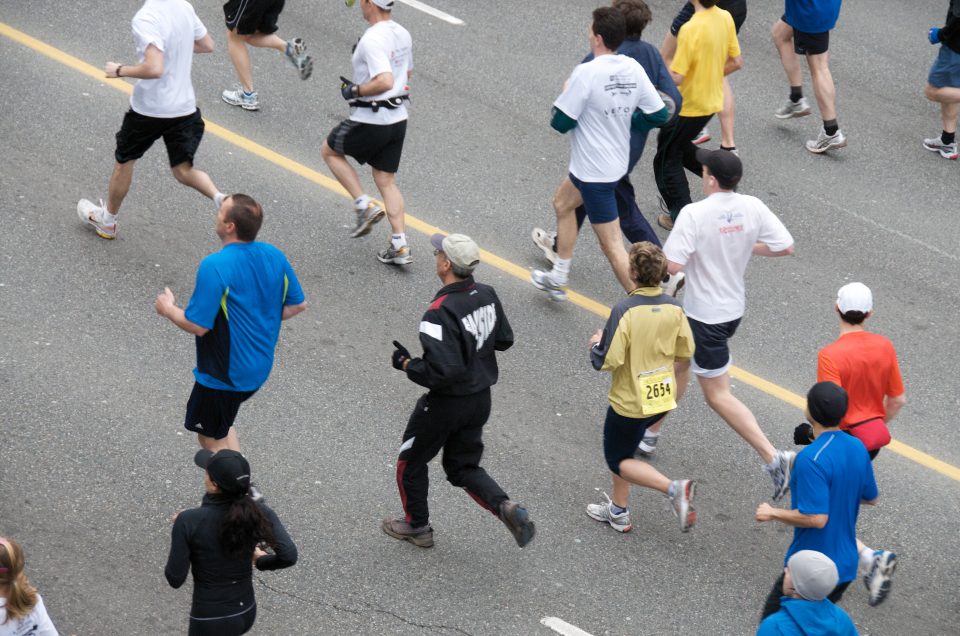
(943, 83)
(460, 334)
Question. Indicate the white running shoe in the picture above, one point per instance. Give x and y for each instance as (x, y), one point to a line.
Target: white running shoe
(394, 256)
(544, 281)
(296, 53)
(825, 142)
(792, 109)
(947, 151)
(601, 512)
(93, 214)
(545, 241)
(366, 219)
(237, 97)
(703, 137)
(684, 490)
(674, 284)
(878, 579)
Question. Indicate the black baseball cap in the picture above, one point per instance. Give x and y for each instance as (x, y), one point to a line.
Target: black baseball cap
(827, 404)
(723, 164)
(228, 469)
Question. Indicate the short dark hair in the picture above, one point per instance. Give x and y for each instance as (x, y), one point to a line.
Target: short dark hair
(246, 214)
(636, 15)
(610, 25)
(648, 265)
(708, 3)
(723, 183)
(852, 317)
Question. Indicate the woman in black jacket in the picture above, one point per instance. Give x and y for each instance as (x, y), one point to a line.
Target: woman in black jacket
(220, 540)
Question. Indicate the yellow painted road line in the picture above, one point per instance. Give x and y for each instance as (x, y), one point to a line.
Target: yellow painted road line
(489, 258)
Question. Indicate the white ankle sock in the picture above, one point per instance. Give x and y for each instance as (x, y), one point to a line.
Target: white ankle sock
(361, 202)
(109, 219)
(561, 270)
(398, 240)
(866, 557)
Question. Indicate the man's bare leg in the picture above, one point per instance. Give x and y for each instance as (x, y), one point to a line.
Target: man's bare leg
(823, 86)
(342, 170)
(197, 179)
(119, 185)
(727, 116)
(611, 242)
(240, 56)
(717, 393)
(566, 200)
(782, 34)
(392, 199)
(230, 442)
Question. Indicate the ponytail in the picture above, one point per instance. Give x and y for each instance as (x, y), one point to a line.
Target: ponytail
(21, 596)
(243, 526)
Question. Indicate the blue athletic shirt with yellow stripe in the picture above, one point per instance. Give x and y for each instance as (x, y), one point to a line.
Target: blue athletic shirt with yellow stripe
(239, 296)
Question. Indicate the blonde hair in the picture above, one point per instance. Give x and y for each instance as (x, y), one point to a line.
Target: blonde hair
(21, 597)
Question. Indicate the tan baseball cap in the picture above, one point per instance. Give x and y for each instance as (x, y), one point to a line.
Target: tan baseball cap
(459, 248)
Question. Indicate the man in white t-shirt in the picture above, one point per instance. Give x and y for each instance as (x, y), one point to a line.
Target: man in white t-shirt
(601, 101)
(163, 104)
(377, 126)
(712, 242)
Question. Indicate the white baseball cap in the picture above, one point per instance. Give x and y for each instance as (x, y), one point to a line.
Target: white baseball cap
(383, 4)
(855, 297)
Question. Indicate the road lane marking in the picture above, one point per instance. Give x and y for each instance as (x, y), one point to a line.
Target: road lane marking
(437, 13)
(489, 258)
(562, 627)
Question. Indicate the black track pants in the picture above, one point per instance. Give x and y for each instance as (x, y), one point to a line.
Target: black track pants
(453, 424)
(675, 151)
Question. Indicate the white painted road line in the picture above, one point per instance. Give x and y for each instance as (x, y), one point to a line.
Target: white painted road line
(437, 13)
(562, 627)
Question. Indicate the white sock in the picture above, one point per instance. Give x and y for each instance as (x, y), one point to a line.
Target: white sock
(866, 558)
(398, 240)
(108, 219)
(218, 200)
(561, 269)
(362, 202)
(651, 434)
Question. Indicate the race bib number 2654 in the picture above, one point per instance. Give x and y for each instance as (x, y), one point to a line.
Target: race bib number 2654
(657, 392)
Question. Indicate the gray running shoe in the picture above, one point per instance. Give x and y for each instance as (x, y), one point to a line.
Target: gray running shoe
(935, 144)
(366, 219)
(545, 241)
(781, 473)
(393, 256)
(236, 97)
(92, 214)
(296, 53)
(684, 490)
(792, 109)
(601, 512)
(544, 281)
(517, 520)
(825, 142)
(647, 446)
(401, 529)
(878, 579)
(703, 137)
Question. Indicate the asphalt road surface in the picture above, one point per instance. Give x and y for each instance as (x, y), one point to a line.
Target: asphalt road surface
(93, 458)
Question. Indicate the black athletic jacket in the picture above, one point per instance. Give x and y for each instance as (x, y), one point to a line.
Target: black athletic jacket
(950, 33)
(460, 333)
(222, 586)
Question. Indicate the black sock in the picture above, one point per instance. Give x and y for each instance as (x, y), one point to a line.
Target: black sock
(830, 126)
(796, 93)
(727, 148)
(948, 138)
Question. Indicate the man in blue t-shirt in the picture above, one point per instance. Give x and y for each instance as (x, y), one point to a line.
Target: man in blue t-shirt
(804, 30)
(830, 479)
(242, 294)
(634, 226)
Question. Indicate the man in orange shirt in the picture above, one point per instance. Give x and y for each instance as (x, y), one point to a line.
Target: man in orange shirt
(865, 365)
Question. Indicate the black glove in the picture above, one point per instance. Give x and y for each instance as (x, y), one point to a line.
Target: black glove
(803, 434)
(400, 355)
(348, 89)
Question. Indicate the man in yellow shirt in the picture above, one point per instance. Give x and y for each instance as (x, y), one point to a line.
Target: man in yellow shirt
(707, 51)
(647, 344)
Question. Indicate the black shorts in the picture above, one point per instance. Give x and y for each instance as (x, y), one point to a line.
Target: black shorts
(211, 412)
(737, 9)
(181, 135)
(247, 17)
(622, 435)
(711, 358)
(809, 43)
(379, 146)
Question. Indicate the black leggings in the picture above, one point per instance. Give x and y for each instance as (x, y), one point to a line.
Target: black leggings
(772, 604)
(229, 626)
